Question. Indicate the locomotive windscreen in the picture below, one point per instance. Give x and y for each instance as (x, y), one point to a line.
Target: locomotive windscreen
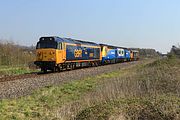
(46, 42)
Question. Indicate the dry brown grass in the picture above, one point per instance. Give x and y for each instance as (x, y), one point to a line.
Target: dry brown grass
(14, 55)
(149, 91)
(15, 59)
(145, 92)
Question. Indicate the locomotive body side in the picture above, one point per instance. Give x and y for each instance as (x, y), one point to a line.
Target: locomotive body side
(109, 54)
(134, 55)
(54, 53)
(121, 54)
(82, 53)
(127, 55)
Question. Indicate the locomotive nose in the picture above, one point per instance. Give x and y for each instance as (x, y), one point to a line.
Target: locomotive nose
(46, 55)
(51, 53)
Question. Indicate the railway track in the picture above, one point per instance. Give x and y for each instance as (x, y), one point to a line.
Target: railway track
(22, 85)
(15, 77)
(34, 75)
(31, 75)
(39, 74)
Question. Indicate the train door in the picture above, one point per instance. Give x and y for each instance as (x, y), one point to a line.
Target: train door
(60, 53)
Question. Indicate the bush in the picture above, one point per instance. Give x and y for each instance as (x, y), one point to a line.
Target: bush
(15, 55)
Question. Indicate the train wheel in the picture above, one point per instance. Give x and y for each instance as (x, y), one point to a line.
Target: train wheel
(112, 61)
(59, 68)
(91, 64)
(66, 66)
(54, 69)
(74, 66)
(70, 66)
(96, 64)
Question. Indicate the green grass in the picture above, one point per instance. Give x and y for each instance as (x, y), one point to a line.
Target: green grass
(146, 91)
(151, 92)
(43, 103)
(8, 70)
(161, 108)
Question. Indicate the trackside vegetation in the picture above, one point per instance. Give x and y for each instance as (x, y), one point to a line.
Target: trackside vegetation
(15, 59)
(9, 70)
(144, 91)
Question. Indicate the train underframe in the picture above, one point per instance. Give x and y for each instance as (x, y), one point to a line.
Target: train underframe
(52, 66)
(117, 60)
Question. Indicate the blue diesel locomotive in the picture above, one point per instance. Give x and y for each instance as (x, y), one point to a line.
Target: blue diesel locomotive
(57, 54)
(113, 54)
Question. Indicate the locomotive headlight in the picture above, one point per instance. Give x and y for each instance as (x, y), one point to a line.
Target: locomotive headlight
(39, 54)
(51, 59)
(51, 52)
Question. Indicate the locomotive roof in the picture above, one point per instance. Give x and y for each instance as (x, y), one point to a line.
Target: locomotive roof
(74, 41)
(82, 42)
(111, 46)
(134, 50)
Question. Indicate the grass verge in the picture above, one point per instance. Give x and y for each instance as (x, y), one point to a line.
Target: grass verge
(146, 91)
(7, 70)
(47, 103)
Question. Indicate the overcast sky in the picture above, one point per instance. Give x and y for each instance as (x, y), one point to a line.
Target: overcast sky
(129, 23)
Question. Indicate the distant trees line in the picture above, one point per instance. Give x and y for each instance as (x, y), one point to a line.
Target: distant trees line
(12, 54)
(175, 50)
(15, 55)
(147, 52)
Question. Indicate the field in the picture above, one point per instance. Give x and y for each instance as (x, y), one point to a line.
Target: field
(15, 59)
(146, 91)
(9, 70)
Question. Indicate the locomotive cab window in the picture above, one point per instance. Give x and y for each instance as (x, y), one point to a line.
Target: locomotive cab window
(46, 43)
(122, 52)
(59, 46)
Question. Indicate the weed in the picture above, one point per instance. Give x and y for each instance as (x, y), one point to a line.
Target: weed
(147, 91)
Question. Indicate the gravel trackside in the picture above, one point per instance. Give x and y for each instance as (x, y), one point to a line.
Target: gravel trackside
(25, 86)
